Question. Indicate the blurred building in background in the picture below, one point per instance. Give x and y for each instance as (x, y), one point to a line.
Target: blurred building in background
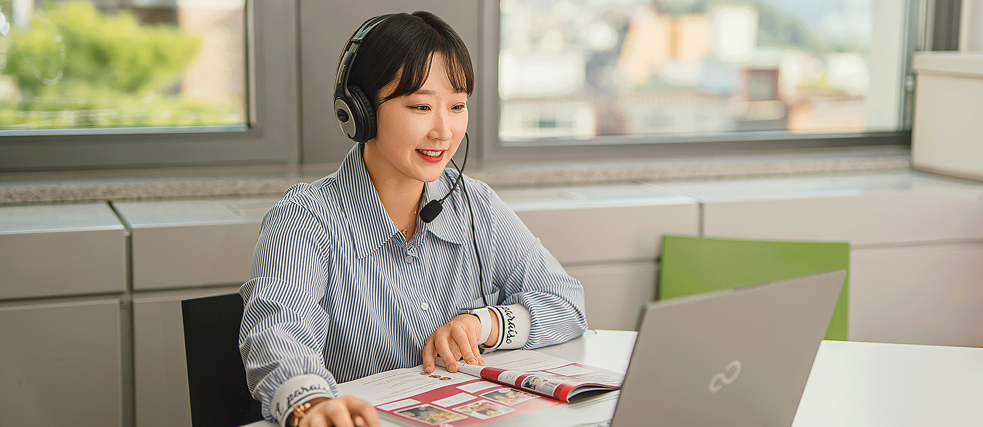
(580, 69)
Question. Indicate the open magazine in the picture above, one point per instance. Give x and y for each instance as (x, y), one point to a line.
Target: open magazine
(510, 384)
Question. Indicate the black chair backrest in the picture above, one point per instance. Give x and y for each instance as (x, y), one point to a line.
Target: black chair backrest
(216, 377)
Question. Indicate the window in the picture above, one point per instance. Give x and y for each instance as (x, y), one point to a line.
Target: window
(642, 71)
(121, 83)
(123, 64)
(556, 79)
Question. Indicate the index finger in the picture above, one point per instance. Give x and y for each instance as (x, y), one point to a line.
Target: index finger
(429, 355)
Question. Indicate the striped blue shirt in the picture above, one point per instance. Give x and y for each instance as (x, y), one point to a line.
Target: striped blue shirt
(336, 291)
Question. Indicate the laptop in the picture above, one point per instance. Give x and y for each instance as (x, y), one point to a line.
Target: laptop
(736, 358)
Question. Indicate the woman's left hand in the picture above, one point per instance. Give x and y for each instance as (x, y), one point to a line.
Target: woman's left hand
(453, 341)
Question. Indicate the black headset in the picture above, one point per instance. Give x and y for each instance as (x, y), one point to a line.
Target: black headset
(356, 115)
(354, 109)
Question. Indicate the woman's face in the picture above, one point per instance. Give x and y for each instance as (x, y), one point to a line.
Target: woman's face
(418, 133)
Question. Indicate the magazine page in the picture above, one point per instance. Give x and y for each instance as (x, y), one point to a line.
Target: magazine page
(521, 379)
(544, 374)
(412, 397)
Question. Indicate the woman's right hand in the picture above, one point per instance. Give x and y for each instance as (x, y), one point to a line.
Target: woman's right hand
(345, 411)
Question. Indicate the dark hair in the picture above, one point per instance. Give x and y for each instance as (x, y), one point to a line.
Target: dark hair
(402, 47)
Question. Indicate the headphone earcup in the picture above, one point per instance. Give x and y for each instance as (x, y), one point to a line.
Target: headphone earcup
(363, 113)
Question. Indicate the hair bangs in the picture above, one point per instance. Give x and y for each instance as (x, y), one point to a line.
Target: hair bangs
(459, 70)
(419, 50)
(401, 50)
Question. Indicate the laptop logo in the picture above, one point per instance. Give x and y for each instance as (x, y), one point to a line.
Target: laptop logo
(721, 379)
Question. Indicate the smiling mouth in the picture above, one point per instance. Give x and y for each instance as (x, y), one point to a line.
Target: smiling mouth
(431, 153)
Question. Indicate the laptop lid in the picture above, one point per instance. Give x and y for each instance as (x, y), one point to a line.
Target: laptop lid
(734, 358)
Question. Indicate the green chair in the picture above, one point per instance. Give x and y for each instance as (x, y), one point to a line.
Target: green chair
(692, 265)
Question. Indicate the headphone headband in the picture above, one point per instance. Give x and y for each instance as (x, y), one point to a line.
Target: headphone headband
(355, 111)
(349, 57)
(368, 26)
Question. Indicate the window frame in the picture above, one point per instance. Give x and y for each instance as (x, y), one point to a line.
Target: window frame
(287, 63)
(493, 151)
(270, 137)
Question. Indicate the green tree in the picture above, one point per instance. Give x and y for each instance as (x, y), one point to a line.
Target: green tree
(91, 66)
(109, 51)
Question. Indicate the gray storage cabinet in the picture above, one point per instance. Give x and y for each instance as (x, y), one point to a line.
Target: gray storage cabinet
(181, 249)
(62, 273)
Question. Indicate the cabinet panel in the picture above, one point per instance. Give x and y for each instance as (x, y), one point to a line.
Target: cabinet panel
(946, 134)
(197, 255)
(193, 243)
(160, 367)
(864, 210)
(866, 220)
(615, 293)
(61, 250)
(918, 295)
(604, 223)
(61, 365)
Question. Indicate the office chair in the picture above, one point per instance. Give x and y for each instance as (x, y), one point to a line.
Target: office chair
(216, 377)
(691, 265)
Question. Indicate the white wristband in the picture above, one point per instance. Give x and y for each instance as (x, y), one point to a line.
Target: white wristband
(514, 323)
(485, 318)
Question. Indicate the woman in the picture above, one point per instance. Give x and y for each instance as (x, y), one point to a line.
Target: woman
(348, 280)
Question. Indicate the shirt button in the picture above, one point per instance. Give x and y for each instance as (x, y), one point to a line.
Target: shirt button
(424, 306)
(409, 259)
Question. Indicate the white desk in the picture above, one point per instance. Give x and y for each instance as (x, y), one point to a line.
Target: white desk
(872, 384)
(851, 384)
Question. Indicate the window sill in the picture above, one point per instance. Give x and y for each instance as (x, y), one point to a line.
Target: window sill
(253, 181)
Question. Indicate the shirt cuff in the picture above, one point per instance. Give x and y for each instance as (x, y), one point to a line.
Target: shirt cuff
(298, 389)
(514, 323)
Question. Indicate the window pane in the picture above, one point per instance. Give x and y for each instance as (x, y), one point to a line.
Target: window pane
(122, 64)
(586, 68)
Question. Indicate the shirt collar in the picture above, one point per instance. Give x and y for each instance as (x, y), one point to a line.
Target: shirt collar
(369, 224)
(448, 225)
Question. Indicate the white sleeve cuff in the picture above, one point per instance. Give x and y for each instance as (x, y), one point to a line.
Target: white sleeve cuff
(298, 389)
(514, 323)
